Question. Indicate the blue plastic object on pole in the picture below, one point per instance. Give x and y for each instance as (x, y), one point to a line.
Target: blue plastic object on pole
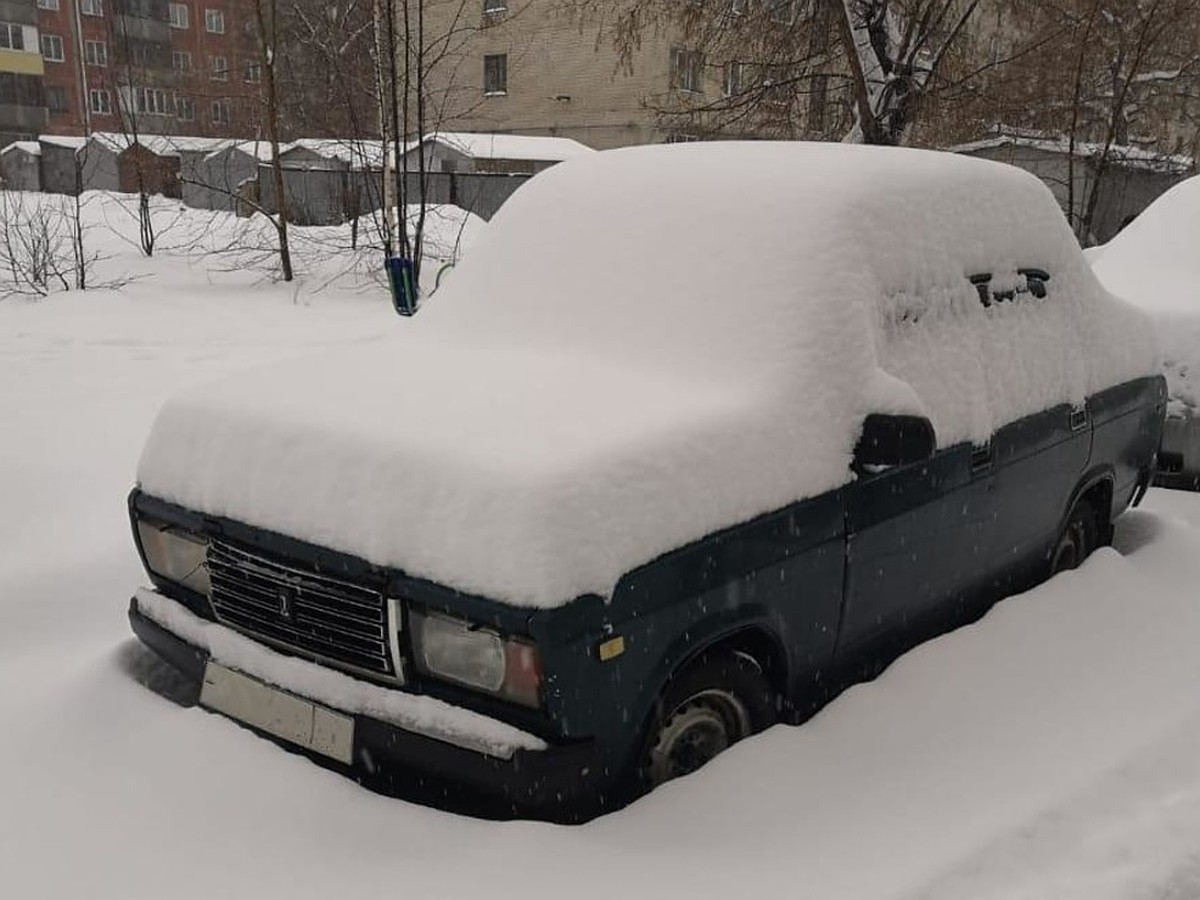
(400, 277)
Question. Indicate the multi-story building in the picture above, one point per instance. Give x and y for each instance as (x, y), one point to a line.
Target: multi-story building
(150, 66)
(22, 100)
(545, 67)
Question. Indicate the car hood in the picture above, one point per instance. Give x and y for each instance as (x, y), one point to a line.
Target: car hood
(526, 477)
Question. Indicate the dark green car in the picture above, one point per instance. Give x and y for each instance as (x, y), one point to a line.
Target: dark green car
(581, 526)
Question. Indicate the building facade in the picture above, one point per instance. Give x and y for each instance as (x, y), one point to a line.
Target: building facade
(149, 66)
(22, 97)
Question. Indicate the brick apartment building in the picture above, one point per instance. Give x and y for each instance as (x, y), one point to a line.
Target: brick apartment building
(151, 66)
(73, 67)
(191, 67)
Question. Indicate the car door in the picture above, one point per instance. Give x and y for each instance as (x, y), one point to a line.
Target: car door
(917, 552)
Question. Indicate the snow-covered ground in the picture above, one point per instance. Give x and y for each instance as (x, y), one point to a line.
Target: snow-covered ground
(1050, 751)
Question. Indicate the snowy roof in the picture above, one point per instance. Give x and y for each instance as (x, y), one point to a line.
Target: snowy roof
(159, 144)
(70, 142)
(1129, 156)
(31, 147)
(357, 153)
(608, 374)
(511, 146)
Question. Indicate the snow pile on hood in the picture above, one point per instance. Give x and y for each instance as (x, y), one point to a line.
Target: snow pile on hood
(651, 344)
(1155, 263)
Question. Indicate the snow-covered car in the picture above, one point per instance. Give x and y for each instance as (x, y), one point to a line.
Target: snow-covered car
(1155, 264)
(694, 437)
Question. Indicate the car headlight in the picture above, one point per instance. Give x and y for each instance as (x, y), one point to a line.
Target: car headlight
(175, 554)
(466, 654)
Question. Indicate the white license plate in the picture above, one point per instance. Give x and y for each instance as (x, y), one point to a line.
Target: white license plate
(277, 712)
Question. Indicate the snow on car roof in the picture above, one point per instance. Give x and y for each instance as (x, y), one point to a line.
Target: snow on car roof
(1154, 260)
(648, 345)
(1153, 263)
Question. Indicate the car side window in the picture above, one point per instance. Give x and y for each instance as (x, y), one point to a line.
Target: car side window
(1035, 286)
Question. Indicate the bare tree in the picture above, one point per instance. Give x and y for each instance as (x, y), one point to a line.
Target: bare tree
(860, 70)
(267, 21)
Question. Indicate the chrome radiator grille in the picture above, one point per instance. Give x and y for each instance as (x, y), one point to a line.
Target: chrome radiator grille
(334, 621)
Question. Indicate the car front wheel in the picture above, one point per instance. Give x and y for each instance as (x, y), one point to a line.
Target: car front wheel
(713, 704)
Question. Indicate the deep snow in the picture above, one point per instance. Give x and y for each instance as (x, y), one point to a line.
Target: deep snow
(1154, 264)
(1050, 751)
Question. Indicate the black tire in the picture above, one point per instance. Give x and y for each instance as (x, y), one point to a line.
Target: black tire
(712, 704)
(1080, 536)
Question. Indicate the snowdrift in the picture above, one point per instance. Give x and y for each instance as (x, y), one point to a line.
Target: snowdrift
(1154, 263)
(651, 344)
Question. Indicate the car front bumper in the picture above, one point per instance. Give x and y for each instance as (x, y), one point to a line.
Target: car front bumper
(563, 782)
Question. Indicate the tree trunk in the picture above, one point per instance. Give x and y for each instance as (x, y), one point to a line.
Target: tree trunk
(267, 46)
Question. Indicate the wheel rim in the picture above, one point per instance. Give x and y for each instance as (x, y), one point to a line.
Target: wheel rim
(697, 730)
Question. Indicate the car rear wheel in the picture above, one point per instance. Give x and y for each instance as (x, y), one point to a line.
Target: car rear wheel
(1077, 541)
(713, 704)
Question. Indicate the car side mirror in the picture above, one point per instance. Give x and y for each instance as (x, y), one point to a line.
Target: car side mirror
(890, 441)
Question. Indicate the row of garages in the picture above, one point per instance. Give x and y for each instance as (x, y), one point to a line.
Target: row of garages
(325, 181)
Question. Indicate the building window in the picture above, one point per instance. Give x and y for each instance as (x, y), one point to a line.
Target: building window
(491, 7)
(177, 15)
(687, 69)
(96, 53)
(495, 73)
(220, 112)
(181, 60)
(185, 108)
(12, 37)
(151, 101)
(218, 68)
(52, 48)
(214, 21)
(91, 7)
(100, 102)
(56, 99)
(48, 4)
(737, 78)
(253, 72)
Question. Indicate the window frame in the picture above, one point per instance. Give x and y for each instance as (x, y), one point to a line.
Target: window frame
(90, 58)
(92, 8)
(48, 38)
(14, 37)
(223, 105)
(218, 73)
(52, 5)
(175, 22)
(498, 66)
(95, 94)
(687, 70)
(178, 56)
(55, 90)
(214, 17)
